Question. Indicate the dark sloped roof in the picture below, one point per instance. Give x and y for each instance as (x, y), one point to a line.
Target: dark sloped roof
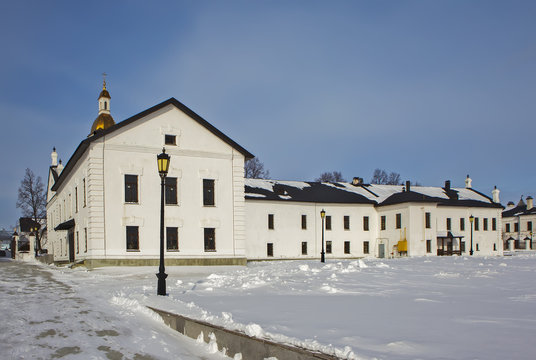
(518, 211)
(305, 192)
(80, 150)
(409, 196)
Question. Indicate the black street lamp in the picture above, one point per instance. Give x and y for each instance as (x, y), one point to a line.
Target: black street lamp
(163, 167)
(471, 219)
(531, 240)
(322, 254)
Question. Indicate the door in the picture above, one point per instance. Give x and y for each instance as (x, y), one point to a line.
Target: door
(381, 251)
(71, 245)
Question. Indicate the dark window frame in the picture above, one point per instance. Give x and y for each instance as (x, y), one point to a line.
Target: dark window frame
(328, 222)
(529, 225)
(493, 224)
(428, 246)
(270, 221)
(516, 227)
(133, 238)
(462, 224)
(329, 247)
(304, 248)
(398, 219)
(346, 222)
(172, 238)
(210, 239)
(131, 189)
(507, 227)
(383, 222)
(170, 139)
(428, 220)
(171, 191)
(347, 247)
(449, 224)
(485, 224)
(209, 186)
(477, 224)
(304, 222)
(270, 249)
(366, 247)
(366, 225)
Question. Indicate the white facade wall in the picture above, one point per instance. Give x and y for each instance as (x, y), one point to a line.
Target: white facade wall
(287, 235)
(525, 224)
(132, 150)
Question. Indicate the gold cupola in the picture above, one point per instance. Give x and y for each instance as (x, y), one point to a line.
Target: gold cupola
(104, 120)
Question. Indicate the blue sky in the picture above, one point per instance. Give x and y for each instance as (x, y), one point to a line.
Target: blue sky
(433, 90)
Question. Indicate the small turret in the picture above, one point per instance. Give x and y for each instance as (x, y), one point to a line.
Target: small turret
(59, 169)
(495, 194)
(54, 157)
(104, 120)
(468, 182)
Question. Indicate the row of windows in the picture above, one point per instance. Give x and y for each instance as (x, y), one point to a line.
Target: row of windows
(516, 227)
(428, 224)
(172, 239)
(462, 246)
(170, 190)
(329, 248)
(346, 222)
(60, 213)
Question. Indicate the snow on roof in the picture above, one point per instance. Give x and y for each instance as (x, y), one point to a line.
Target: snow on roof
(342, 192)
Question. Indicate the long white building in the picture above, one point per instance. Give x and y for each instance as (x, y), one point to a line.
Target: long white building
(283, 220)
(103, 207)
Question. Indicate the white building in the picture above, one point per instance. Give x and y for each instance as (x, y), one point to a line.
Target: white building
(103, 208)
(362, 220)
(517, 225)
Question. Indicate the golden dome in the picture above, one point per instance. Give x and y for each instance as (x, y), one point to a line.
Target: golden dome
(105, 93)
(102, 122)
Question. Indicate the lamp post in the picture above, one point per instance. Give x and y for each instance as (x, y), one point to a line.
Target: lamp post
(531, 240)
(163, 167)
(471, 219)
(322, 254)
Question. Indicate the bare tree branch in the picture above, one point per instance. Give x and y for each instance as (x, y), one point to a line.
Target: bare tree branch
(32, 200)
(254, 169)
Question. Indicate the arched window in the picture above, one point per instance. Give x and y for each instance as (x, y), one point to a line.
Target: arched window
(105, 105)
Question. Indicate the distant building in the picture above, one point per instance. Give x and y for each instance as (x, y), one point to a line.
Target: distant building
(365, 220)
(518, 225)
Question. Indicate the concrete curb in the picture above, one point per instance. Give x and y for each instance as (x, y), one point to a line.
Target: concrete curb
(236, 342)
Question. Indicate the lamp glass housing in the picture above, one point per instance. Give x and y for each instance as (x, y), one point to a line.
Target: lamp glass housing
(471, 218)
(322, 213)
(163, 163)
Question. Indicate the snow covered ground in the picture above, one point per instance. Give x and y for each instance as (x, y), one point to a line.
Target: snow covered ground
(410, 308)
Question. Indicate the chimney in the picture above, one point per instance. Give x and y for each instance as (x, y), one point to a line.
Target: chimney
(54, 156)
(59, 168)
(495, 194)
(357, 181)
(510, 205)
(468, 182)
(530, 204)
(408, 186)
(447, 185)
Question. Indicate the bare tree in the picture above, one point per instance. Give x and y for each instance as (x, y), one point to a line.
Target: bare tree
(334, 176)
(32, 200)
(254, 169)
(382, 177)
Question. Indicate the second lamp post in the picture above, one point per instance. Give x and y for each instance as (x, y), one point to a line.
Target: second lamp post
(163, 167)
(471, 219)
(322, 254)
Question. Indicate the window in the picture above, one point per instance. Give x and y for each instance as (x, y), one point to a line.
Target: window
(494, 224)
(346, 247)
(270, 249)
(70, 206)
(383, 224)
(477, 224)
(84, 186)
(304, 222)
(365, 247)
(76, 199)
(131, 188)
(171, 191)
(449, 224)
(77, 243)
(428, 246)
(172, 239)
(485, 224)
(398, 221)
(208, 192)
(328, 222)
(477, 247)
(133, 241)
(346, 222)
(462, 246)
(516, 227)
(529, 225)
(304, 248)
(328, 247)
(427, 220)
(494, 247)
(85, 239)
(462, 224)
(210, 239)
(170, 139)
(365, 223)
(507, 227)
(271, 221)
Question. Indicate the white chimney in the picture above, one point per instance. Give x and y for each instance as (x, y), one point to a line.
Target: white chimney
(495, 194)
(468, 182)
(510, 205)
(530, 204)
(59, 168)
(356, 181)
(54, 156)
